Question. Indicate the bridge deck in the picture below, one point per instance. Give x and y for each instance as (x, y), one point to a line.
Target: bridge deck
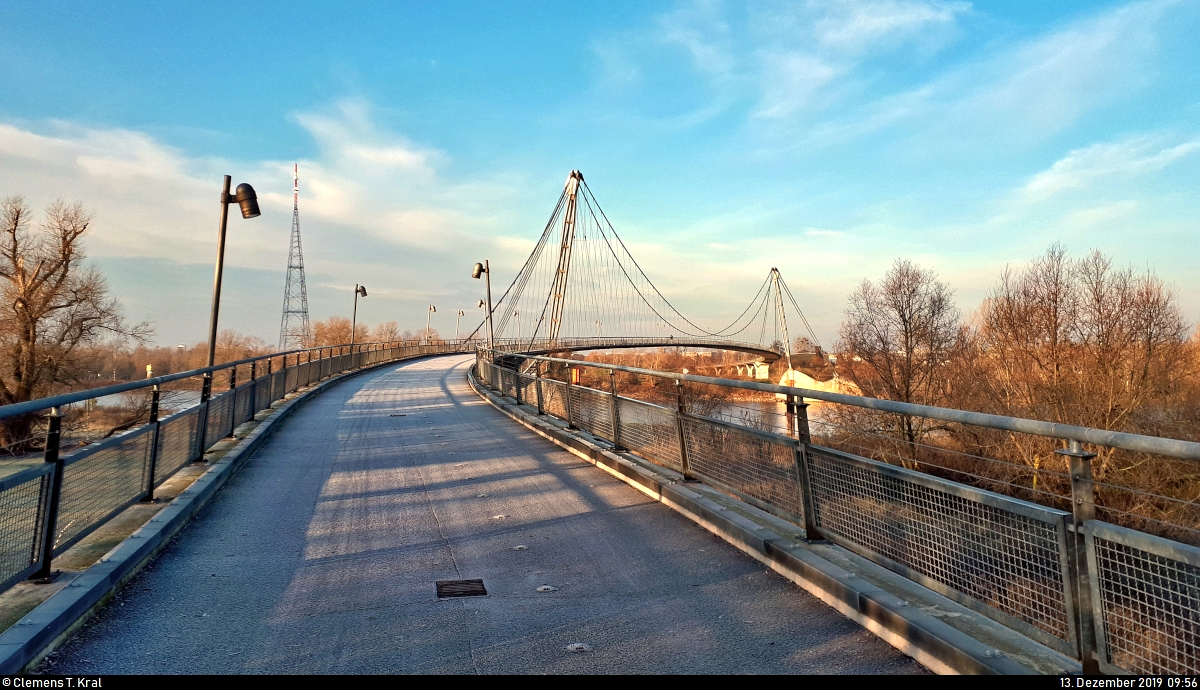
(321, 555)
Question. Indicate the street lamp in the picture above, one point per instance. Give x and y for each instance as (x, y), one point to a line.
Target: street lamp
(483, 269)
(457, 323)
(248, 201)
(518, 315)
(428, 313)
(359, 290)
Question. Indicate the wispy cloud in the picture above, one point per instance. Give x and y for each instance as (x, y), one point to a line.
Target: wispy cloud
(1126, 159)
(1018, 92)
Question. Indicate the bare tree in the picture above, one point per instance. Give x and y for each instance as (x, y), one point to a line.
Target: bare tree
(386, 332)
(336, 331)
(54, 304)
(1079, 342)
(897, 337)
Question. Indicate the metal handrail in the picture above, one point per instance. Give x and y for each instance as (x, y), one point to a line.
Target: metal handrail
(62, 399)
(1174, 448)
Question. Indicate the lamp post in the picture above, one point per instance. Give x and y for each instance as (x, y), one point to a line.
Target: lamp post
(358, 290)
(483, 305)
(248, 201)
(457, 323)
(483, 269)
(428, 313)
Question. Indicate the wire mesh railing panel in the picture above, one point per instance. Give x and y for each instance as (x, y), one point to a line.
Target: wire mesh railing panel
(749, 463)
(650, 431)
(243, 407)
(592, 412)
(505, 377)
(527, 387)
(262, 394)
(97, 484)
(1002, 558)
(291, 379)
(22, 511)
(277, 381)
(219, 410)
(1148, 596)
(176, 443)
(554, 400)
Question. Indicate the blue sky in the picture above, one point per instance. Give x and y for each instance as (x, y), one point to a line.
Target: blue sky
(722, 138)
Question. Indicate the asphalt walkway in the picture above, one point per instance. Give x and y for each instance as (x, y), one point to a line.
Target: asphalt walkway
(322, 553)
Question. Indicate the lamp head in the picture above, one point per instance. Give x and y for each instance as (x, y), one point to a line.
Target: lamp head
(480, 305)
(361, 290)
(477, 271)
(248, 200)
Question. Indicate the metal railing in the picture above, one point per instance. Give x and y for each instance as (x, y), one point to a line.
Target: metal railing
(1118, 600)
(47, 507)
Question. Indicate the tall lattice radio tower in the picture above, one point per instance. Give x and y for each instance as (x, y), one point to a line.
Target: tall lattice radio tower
(295, 331)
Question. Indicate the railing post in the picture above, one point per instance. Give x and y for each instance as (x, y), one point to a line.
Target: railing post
(679, 411)
(232, 400)
(614, 412)
(537, 387)
(516, 376)
(1083, 510)
(53, 434)
(154, 397)
(567, 402)
(202, 422)
(253, 389)
(798, 427)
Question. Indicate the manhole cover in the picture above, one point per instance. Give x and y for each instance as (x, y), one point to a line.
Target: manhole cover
(460, 588)
(579, 647)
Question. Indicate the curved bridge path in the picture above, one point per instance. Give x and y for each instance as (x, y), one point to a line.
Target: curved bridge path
(321, 554)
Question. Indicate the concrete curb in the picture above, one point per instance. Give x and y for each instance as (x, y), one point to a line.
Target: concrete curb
(934, 644)
(42, 630)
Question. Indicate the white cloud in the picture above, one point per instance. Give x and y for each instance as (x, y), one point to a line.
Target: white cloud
(858, 25)
(797, 79)
(1020, 93)
(1082, 168)
(788, 58)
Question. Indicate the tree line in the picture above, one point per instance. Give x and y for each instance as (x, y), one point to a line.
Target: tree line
(1069, 340)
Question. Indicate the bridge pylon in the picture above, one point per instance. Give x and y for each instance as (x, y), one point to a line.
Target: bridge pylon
(558, 290)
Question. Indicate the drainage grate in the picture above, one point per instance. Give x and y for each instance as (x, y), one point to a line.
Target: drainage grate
(460, 588)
